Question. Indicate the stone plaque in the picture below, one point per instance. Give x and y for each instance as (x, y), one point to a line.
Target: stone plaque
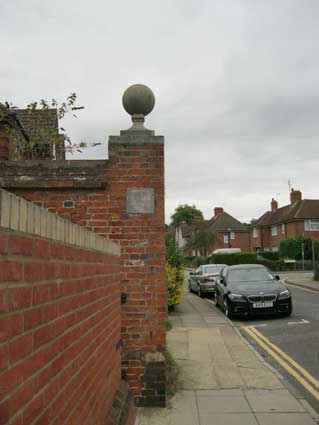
(140, 201)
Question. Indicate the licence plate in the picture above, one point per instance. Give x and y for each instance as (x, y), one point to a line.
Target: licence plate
(263, 305)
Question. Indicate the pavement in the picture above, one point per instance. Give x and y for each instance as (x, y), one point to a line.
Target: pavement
(301, 279)
(222, 379)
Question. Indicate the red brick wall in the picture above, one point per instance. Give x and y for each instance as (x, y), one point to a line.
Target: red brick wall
(141, 237)
(242, 241)
(60, 329)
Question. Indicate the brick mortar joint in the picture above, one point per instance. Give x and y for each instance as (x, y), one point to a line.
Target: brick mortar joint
(17, 214)
(52, 342)
(60, 372)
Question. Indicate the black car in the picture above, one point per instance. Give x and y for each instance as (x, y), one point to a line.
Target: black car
(250, 289)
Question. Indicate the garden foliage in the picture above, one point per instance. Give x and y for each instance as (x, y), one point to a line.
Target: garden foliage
(174, 272)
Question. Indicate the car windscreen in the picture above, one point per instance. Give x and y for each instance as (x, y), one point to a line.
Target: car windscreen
(249, 275)
(213, 269)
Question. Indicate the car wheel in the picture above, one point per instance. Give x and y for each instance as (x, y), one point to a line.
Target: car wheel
(227, 310)
(190, 287)
(200, 292)
(216, 300)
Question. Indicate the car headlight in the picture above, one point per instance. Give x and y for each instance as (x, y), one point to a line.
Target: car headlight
(236, 297)
(284, 294)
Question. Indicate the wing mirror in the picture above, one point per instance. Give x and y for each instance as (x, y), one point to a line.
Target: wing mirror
(222, 281)
(277, 277)
(191, 273)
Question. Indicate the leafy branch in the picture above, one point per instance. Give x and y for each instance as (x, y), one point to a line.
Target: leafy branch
(45, 142)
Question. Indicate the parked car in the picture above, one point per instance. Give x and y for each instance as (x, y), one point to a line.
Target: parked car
(203, 280)
(251, 289)
(226, 251)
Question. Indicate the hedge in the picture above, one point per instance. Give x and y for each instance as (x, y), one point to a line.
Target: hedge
(269, 255)
(235, 258)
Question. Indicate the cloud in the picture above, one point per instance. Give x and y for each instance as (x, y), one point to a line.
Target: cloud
(236, 87)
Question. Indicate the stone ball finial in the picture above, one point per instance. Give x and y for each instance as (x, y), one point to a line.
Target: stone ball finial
(138, 100)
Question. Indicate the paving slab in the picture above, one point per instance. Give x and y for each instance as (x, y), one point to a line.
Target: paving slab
(222, 381)
(260, 377)
(284, 419)
(197, 375)
(228, 419)
(222, 404)
(220, 393)
(273, 401)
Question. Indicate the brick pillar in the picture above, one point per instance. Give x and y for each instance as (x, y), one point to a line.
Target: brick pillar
(136, 167)
(4, 143)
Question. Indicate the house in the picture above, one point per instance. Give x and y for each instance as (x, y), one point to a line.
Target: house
(299, 218)
(230, 232)
(182, 234)
(34, 133)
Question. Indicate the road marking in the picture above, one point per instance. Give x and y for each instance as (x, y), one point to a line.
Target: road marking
(210, 301)
(262, 325)
(302, 322)
(271, 349)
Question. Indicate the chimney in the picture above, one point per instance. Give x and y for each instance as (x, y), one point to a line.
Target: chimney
(274, 205)
(295, 196)
(4, 143)
(217, 211)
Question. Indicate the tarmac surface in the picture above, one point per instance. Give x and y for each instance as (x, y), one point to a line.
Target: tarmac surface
(222, 380)
(295, 338)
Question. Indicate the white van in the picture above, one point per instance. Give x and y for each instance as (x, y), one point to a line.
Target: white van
(226, 251)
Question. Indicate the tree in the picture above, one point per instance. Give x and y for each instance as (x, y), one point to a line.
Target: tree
(202, 239)
(292, 248)
(187, 213)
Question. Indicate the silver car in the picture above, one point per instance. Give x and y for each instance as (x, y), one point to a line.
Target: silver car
(203, 280)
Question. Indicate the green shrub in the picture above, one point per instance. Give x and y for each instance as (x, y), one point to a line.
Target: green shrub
(173, 254)
(269, 255)
(316, 272)
(235, 258)
(292, 248)
(174, 272)
(274, 265)
(175, 284)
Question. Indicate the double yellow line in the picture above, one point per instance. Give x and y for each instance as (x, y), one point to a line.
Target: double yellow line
(299, 373)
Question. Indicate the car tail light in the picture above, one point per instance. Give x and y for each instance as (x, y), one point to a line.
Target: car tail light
(209, 279)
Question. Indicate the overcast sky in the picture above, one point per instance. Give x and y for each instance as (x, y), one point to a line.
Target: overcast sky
(236, 85)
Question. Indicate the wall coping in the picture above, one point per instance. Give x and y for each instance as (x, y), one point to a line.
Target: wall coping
(20, 215)
(61, 174)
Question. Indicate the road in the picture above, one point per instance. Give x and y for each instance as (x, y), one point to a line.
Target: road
(297, 338)
(290, 345)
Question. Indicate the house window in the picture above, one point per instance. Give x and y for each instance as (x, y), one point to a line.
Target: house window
(274, 230)
(312, 225)
(255, 232)
(232, 235)
(283, 229)
(226, 238)
(275, 249)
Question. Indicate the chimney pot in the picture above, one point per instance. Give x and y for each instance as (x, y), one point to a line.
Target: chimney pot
(295, 196)
(274, 205)
(217, 211)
